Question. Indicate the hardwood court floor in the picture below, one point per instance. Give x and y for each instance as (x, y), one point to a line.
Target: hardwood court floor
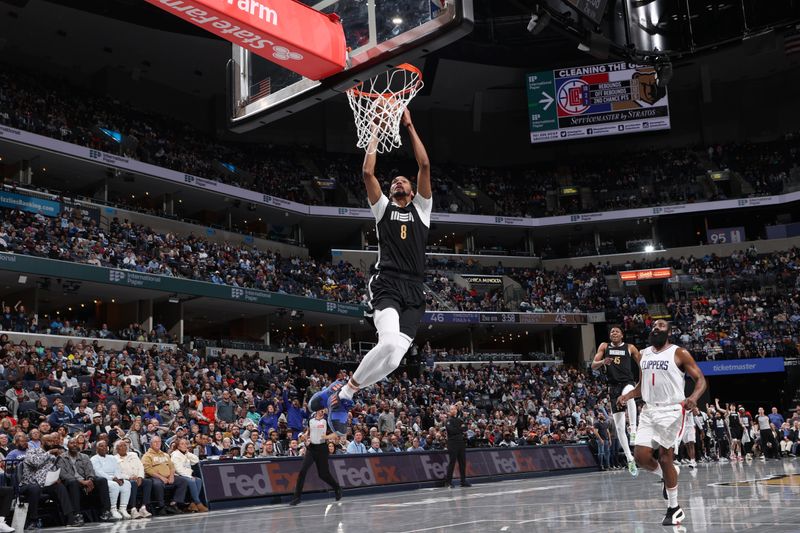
(716, 498)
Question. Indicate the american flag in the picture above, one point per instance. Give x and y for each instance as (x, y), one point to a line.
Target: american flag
(791, 43)
(260, 90)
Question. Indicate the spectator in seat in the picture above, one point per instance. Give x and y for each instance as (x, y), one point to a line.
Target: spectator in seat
(376, 446)
(36, 464)
(226, 408)
(184, 460)
(207, 411)
(79, 477)
(269, 421)
(119, 488)
(60, 416)
(133, 471)
(159, 467)
(356, 445)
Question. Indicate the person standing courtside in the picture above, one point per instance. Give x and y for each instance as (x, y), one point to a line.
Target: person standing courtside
(317, 453)
(456, 448)
(615, 357)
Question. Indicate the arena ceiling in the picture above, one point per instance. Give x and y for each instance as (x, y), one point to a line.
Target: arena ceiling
(134, 38)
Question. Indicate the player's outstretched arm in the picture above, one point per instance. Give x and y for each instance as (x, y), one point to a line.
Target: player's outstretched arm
(599, 357)
(368, 173)
(686, 362)
(421, 155)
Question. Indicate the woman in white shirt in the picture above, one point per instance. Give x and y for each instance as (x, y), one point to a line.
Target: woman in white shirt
(183, 460)
(133, 470)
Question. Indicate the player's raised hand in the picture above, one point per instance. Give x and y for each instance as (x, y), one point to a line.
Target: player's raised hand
(406, 120)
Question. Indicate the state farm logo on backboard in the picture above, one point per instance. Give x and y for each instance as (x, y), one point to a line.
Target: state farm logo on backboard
(232, 30)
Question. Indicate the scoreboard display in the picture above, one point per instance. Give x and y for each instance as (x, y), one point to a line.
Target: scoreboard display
(596, 100)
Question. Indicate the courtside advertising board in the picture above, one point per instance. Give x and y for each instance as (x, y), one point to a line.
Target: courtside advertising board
(596, 100)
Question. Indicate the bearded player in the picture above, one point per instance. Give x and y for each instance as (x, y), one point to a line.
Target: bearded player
(396, 298)
(663, 419)
(617, 358)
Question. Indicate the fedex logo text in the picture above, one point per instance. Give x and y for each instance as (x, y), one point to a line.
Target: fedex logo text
(244, 485)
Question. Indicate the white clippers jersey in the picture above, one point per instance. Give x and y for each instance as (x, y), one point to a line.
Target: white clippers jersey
(662, 380)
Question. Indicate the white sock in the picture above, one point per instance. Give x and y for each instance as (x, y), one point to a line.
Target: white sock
(347, 392)
(632, 415)
(672, 496)
(619, 422)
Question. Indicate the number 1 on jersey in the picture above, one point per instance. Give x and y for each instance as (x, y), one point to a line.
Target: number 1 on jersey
(403, 231)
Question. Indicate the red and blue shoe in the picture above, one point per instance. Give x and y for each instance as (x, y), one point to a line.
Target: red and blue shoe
(338, 411)
(320, 399)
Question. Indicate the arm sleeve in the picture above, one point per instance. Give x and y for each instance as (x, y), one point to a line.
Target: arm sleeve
(424, 208)
(379, 207)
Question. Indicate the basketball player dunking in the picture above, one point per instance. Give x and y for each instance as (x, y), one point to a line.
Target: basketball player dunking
(663, 420)
(616, 357)
(396, 298)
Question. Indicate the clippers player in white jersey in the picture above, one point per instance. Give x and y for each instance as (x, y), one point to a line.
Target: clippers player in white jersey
(617, 358)
(663, 420)
(396, 297)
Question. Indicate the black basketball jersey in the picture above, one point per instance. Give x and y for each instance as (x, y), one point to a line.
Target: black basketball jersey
(620, 371)
(402, 236)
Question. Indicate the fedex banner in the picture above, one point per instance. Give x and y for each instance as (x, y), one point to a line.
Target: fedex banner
(596, 100)
(286, 32)
(25, 138)
(257, 478)
(742, 366)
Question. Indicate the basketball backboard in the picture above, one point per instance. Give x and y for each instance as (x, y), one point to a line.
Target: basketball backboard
(379, 33)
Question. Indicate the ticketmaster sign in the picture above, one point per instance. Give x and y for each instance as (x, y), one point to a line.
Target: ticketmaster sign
(237, 480)
(742, 366)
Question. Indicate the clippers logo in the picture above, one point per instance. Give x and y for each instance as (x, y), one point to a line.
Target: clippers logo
(573, 97)
(402, 217)
(95, 154)
(236, 293)
(115, 276)
(655, 365)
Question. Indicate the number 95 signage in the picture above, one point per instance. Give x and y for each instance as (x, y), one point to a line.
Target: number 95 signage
(725, 235)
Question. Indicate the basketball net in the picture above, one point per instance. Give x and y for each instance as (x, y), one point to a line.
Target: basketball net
(378, 106)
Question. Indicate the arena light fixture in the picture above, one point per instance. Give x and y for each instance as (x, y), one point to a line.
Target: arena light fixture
(649, 249)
